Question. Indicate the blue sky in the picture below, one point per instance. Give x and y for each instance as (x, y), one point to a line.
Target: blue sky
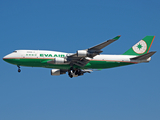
(129, 92)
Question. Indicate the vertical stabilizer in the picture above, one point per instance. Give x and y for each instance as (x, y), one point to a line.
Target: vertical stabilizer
(142, 47)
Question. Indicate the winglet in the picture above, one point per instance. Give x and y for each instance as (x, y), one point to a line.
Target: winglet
(117, 37)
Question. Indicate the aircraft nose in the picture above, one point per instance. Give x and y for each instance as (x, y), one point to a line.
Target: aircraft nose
(5, 57)
(8, 59)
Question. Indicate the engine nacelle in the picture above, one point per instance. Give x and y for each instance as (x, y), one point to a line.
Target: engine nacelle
(59, 60)
(57, 72)
(82, 53)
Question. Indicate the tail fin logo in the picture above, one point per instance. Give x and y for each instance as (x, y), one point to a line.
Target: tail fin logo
(140, 47)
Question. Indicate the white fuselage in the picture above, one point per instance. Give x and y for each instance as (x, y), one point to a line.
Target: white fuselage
(52, 54)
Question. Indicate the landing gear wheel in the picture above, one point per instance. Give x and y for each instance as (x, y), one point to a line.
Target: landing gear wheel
(19, 70)
(77, 72)
(71, 76)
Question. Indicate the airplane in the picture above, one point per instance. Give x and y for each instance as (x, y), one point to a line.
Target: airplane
(83, 61)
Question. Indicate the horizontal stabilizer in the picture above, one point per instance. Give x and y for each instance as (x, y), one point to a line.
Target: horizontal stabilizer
(144, 56)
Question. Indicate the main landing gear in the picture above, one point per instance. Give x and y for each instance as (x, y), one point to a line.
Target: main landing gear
(19, 70)
(74, 72)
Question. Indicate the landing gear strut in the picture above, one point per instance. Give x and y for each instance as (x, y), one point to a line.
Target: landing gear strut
(70, 72)
(19, 70)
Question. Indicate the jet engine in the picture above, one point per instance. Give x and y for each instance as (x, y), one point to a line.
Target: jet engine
(85, 53)
(57, 72)
(82, 53)
(59, 60)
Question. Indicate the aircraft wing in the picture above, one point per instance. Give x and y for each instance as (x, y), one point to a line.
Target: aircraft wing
(80, 58)
(104, 44)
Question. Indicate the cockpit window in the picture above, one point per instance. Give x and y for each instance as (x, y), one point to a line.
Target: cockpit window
(14, 51)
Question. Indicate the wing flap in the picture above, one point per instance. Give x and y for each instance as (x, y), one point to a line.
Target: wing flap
(81, 62)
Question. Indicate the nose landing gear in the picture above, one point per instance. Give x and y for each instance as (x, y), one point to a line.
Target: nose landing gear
(19, 70)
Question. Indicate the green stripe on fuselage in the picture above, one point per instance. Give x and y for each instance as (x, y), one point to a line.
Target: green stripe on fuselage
(93, 64)
(105, 64)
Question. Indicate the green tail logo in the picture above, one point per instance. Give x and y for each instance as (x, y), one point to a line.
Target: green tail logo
(142, 47)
